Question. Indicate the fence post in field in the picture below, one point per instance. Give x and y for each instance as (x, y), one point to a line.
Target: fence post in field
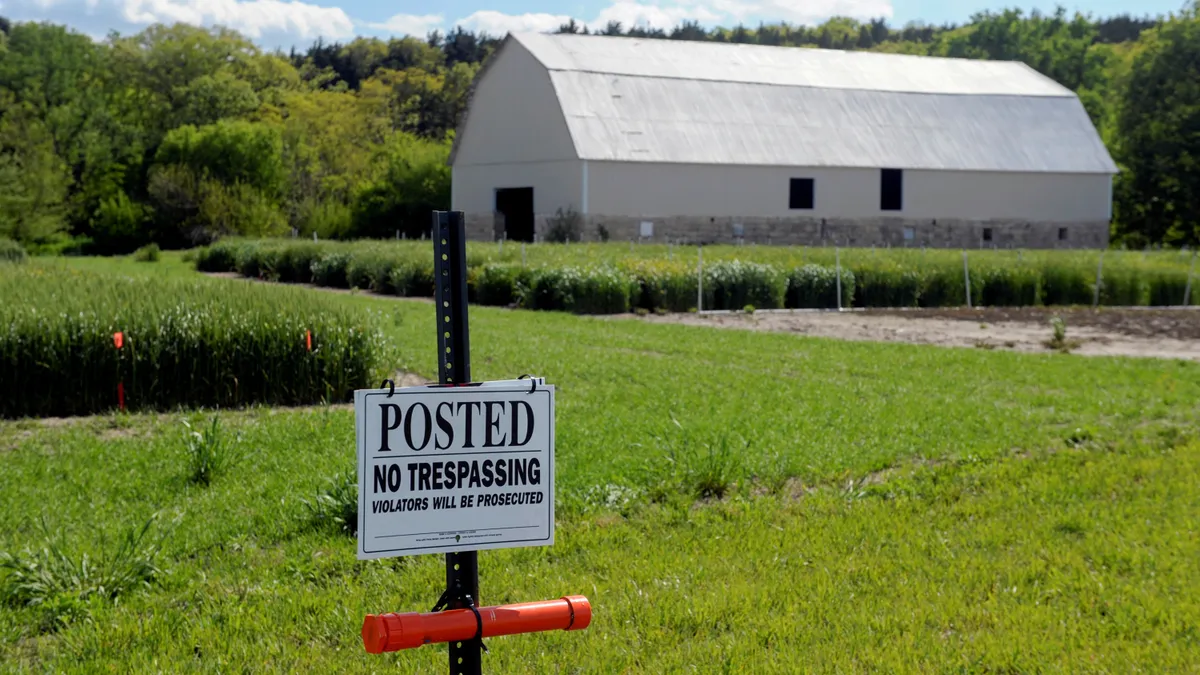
(1187, 291)
(837, 273)
(522, 254)
(699, 279)
(967, 278)
(1099, 279)
(670, 251)
(314, 236)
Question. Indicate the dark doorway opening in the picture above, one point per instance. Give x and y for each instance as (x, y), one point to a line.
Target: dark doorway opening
(516, 206)
(892, 192)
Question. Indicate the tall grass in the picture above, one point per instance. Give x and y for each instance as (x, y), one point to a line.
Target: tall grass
(62, 583)
(605, 278)
(72, 342)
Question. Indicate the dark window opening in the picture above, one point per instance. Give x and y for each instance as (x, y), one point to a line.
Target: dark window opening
(800, 194)
(987, 234)
(892, 190)
(516, 205)
(1062, 234)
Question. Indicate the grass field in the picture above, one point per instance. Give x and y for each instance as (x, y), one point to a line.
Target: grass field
(885, 508)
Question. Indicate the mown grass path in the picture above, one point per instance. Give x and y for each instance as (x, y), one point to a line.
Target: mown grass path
(1039, 514)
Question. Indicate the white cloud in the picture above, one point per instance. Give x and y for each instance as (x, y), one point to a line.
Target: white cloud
(278, 20)
(498, 23)
(250, 17)
(653, 15)
(665, 15)
(410, 24)
(815, 11)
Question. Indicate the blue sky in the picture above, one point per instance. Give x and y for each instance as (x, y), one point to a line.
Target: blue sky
(286, 23)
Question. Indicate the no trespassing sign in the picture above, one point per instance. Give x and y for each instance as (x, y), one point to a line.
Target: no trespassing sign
(445, 469)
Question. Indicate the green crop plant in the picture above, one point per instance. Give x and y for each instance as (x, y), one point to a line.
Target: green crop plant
(733, 276)
(77, 342)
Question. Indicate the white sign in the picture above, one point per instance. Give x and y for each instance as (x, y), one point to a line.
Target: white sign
(647, 228)
(444, 469)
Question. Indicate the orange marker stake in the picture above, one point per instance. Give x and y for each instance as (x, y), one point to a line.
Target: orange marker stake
(393, 632)
(118, 342)
(308, 339)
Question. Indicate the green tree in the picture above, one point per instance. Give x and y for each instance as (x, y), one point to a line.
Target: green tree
(1159, 137)
(33, 180)
(412, 180)
(230, 151)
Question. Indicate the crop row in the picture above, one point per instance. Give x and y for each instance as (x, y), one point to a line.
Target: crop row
(614, 284)
(77, 343)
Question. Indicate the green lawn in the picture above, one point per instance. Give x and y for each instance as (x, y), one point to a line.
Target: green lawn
(887, 508)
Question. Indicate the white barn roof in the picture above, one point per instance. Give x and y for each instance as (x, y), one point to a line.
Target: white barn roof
(648, 100)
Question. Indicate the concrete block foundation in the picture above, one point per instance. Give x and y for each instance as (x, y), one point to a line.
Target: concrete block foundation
(881, 232)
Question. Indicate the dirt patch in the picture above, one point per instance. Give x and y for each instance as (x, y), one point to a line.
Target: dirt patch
(1173, 334)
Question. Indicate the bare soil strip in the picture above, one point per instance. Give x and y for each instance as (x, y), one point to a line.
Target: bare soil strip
(1169, 334)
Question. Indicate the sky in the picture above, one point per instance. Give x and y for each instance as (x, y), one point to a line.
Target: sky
(287, 23)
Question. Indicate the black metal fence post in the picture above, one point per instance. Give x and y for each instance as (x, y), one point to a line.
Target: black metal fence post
(454, 359)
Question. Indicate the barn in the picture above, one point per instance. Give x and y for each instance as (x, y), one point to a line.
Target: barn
(663, 140)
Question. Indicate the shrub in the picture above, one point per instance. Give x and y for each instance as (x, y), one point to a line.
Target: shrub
(258, 262)
(148, 253)
(815, 287)
(11, 251)
(599, 290)
(370, 270)
(219, 257)
(295, 262)
(735, 284)
(329, 220)
(564, 226)
(664, 285)
(180, 343)
(331, 269)
(119, 223)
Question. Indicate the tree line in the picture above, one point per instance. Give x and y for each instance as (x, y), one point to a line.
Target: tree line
(180, 134)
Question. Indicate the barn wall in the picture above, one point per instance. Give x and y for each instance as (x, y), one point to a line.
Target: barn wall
(750, 204)
(555, 185)
(662, 190)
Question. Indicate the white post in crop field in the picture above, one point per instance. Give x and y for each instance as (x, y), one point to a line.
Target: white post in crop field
(670, 251)
(699, 279)
(837, 272)
(1099, 278)
(967, 277)
(1187, 291)
(522, 254)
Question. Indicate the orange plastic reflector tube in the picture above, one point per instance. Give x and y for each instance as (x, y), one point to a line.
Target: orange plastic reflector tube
(393, 632)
